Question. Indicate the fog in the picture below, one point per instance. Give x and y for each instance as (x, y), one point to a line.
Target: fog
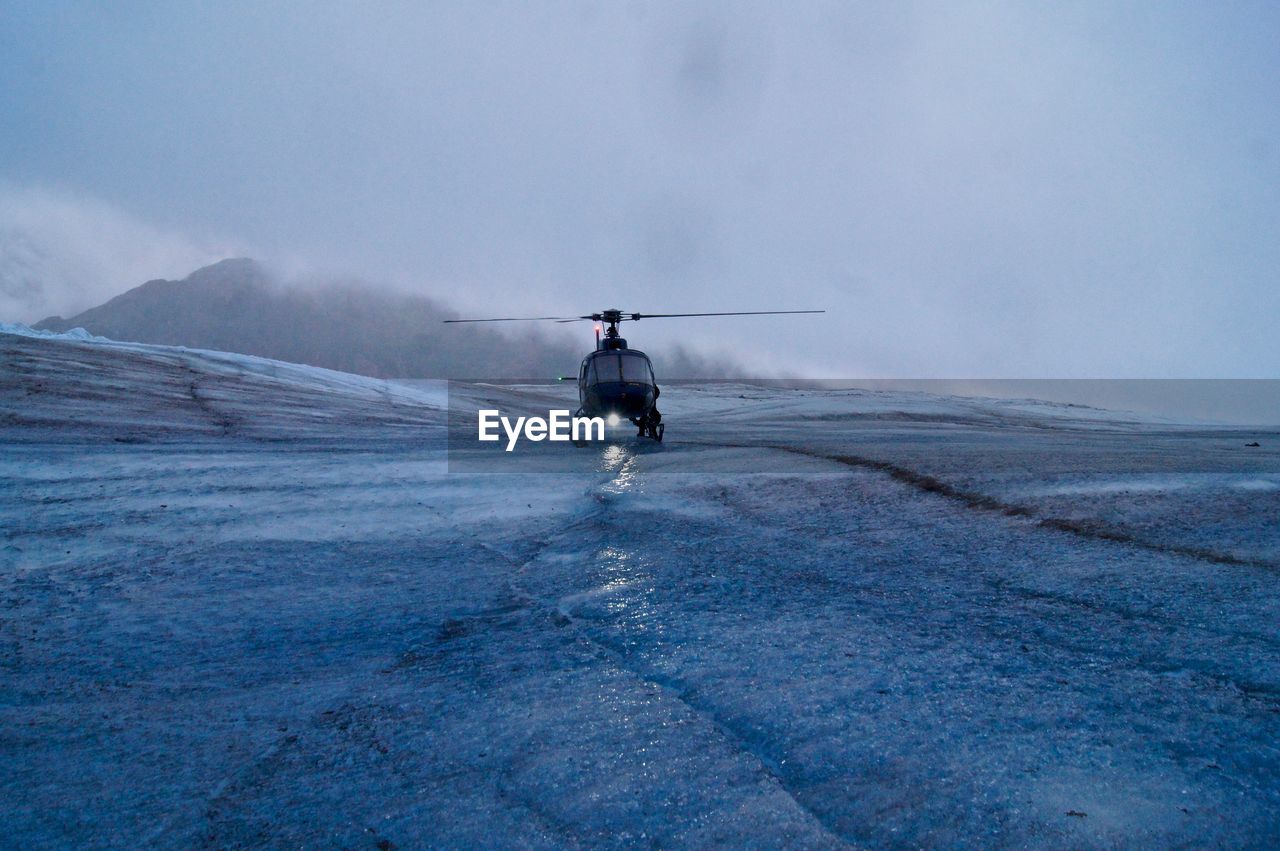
(971, 189)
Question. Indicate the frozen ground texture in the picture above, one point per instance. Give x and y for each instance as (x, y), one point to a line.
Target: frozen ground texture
(245, 603)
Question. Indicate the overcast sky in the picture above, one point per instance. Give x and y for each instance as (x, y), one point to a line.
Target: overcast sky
(972, 189)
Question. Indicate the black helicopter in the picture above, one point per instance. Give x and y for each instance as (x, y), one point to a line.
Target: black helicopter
(616, 381)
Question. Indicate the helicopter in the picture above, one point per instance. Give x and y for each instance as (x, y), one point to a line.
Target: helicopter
(618, 381)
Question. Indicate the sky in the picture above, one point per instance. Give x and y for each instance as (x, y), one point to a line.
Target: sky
(970, 189)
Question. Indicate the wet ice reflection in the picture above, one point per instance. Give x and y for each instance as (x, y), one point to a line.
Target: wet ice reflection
(620, 463)
(623, 570)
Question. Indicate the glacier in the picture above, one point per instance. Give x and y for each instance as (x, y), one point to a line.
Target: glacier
(255, 603)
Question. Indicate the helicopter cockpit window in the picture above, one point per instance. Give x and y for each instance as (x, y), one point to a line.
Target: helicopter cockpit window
(606, 368)
(636, 369)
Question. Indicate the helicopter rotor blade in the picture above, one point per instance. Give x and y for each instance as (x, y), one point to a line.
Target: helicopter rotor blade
(518, 319)
(633, 317)
(607, 316)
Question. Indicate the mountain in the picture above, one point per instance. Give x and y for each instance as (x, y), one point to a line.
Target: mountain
(236, 306)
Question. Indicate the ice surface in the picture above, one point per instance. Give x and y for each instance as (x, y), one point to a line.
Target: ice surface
(245, 603)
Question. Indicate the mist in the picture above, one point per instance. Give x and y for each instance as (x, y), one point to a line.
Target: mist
(238, 305)
(62, 253)
(970, 189)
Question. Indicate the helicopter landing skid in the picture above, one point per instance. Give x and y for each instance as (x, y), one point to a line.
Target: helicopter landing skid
(652, 426)
(577, 442)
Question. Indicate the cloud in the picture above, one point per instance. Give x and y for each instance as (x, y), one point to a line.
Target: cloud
(970, 189)
(63, 252)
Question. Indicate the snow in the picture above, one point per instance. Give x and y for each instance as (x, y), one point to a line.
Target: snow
(17, 328)
(237, 366)
(252, 603)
